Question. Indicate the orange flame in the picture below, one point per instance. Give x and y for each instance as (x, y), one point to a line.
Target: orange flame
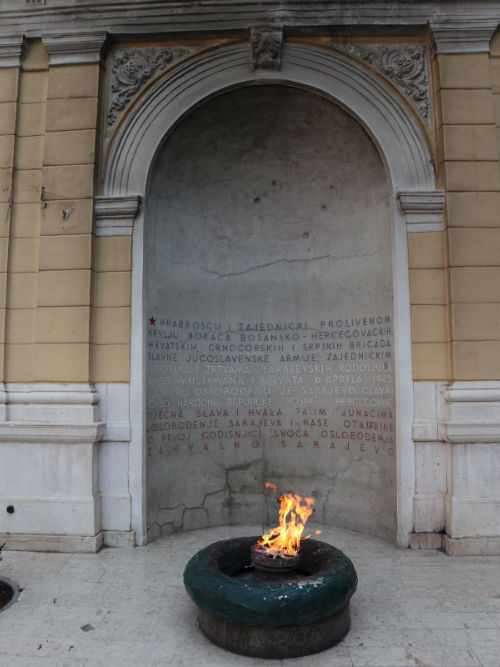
(293, 514)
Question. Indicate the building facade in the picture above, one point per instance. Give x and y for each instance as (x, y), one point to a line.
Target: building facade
(123, 130)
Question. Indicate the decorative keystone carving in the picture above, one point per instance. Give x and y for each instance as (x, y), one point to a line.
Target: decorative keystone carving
(403, 64)
(423, 210)
(132, 68)
(266, 47)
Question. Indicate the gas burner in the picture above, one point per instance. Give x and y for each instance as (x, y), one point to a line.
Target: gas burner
(272, 561)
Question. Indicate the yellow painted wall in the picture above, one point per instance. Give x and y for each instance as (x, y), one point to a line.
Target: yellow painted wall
(25, 215)
(469, 163)
(65, 293)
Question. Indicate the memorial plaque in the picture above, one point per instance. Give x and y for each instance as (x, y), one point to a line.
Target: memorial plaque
(270, 347)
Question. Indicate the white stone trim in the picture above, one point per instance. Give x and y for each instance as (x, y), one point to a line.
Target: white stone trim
(49, 439)
(471, 546)
(403, 149)
(471, 391)
(426, 541)
(3, 402)
(383, 115)
(74, 48)
(431, 463)
(115, 512)
(71, 403)
(113, 461)
(114, 216)
(65, 434)
(458, 427)
(429, 512)
(472, 516)
(459, 36)
(137, 457)
(143, 17)
(12, 50)
(51, 514)
(428, 410)
(423, 210)
(472, 413)
(122, 539)
(52, 543)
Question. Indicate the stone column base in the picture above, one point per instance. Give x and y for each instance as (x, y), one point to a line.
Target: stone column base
(472, 546)
(60, 543)
(426, 540)
(119, 538)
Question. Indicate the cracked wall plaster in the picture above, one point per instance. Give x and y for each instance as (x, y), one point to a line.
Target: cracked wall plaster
(267, 205)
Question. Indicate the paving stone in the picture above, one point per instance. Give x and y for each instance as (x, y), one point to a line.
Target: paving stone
(128, 608)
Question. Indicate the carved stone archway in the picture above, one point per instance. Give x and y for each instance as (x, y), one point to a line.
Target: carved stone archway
(403, 148)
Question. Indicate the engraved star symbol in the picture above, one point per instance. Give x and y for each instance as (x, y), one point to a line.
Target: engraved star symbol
(152, 321)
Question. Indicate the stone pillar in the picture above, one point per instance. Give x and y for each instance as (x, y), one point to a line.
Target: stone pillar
(52, 427)
(111, 275)
(469, 170)
(11, 51)
(431, 358)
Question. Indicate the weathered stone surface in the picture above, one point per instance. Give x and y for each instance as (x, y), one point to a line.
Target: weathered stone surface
(426, 540)
(472, 546)
(269, 330)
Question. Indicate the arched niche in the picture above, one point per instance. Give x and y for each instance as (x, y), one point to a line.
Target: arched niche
(402, 148)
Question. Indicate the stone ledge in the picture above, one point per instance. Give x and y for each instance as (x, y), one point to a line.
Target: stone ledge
(40, 402)
(51, 433)
(132, 17)
(423, 210)
(52, 543)
(74, 48)
(114, 216)
(454, 35)
(472, 546)
(472, 412)
(12, 51)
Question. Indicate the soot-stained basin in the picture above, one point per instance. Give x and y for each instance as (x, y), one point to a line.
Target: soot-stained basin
(271, 614)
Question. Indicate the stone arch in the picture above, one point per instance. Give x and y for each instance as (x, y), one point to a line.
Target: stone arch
(392, 128)
(387, 119)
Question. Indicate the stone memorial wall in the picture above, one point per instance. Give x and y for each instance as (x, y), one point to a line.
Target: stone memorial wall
(269, 316)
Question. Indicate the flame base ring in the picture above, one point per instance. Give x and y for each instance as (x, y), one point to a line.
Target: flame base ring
(263, 561)
(272, 615)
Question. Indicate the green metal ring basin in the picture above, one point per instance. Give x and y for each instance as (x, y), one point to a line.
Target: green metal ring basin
(324, 587)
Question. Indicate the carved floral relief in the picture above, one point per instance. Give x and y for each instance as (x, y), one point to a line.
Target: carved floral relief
(132, 68)
(403, 64)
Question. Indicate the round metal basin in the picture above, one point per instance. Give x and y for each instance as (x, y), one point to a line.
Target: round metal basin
(271, 614)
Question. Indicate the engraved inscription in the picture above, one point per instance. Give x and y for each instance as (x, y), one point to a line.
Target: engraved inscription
(269, 322)
(319, 385)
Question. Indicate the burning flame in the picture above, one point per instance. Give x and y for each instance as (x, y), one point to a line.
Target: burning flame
(284, 540)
